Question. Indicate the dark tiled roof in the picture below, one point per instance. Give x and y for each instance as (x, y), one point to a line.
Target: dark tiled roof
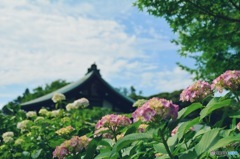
(71, 86)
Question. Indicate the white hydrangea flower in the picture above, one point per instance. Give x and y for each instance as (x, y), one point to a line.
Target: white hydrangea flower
(18, 141)
(31, 114)
(43, 111)
(39, 118)
(81, 103)
(57, 97)
(23, 124)
(55, 113)
(7, 139)
(8, 134)
(70, 106)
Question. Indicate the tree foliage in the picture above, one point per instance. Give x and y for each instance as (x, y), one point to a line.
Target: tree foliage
(131, 92)
(36, 92)
(40, 91)
(211, 29)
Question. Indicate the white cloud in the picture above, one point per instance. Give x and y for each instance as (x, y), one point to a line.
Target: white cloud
(36, 45)
(166, 80)
(42, 41)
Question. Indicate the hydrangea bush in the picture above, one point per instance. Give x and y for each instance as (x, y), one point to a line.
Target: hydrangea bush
(37, 134)
(157, 128)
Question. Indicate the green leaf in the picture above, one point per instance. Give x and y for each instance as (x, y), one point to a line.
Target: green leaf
(188, 154)
(92, 148)
(186, 111)
(185, 127)
(133, 128)
(159, 148)
(165, 156)
(208, 139)
(224, 142)
(26, 154)
(106, 142)
(172, 142)
(36, 153)
(56, 141)
(213, 105)
(202, 131)
(226, 133)
(127, 151)
(104, 155)
(235, 116)
(128, 139)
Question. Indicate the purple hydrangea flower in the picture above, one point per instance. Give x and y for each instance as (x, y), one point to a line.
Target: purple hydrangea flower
(156, 107)
(110, 122)
(73, 146)
(197, 91)
(230, 80)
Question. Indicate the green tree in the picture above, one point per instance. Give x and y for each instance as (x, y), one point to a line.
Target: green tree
(210, 29)
(131, 92)
(39, 91)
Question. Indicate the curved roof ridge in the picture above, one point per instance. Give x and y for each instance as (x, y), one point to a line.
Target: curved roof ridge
(62, 90)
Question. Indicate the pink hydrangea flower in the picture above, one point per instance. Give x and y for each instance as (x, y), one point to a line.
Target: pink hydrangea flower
(156, 107)
(174, 131)
(60, 152)
(74, 141)
(73, 146)
(113, 121)
(63, 151)
(110, 123)
(148, 114)
(230, 80)
(104, 132)
(195, 92)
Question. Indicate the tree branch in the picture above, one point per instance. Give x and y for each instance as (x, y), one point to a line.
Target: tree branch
(234, 4)
(211, 13)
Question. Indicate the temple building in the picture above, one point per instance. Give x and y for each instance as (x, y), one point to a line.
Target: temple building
(93, 87)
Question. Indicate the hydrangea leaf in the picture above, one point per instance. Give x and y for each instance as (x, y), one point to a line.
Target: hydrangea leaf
(128, 139)
(36, 153)
(214, 104)
(209, 139)
(186, 111)
(160, 148)
(186, 126)
(224, 142)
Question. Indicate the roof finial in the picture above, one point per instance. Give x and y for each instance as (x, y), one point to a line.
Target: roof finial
(93, 68)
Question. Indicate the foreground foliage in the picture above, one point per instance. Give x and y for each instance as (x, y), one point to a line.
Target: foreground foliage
(36, 136)
(158, 129)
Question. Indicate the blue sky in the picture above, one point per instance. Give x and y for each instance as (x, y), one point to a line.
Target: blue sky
(45, 40)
